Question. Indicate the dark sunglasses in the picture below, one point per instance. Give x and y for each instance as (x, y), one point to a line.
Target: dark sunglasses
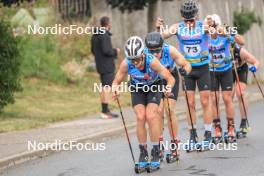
(189, 20)
(155, 51)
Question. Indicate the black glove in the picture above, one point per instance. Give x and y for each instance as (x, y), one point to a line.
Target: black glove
(182, 72)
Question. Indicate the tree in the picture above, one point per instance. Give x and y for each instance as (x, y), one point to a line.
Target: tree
(134, 5)
(244, 20)
(9, 65)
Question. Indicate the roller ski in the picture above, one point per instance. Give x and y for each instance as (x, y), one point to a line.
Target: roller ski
(205, 144)
(230, 135)
(142, 163)
(192, 143)
(218, 135)
(154, 164)
(161, 147)
(173, 156)
(242, 133)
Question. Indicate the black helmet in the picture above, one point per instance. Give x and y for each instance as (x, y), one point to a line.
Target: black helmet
(189, 9)
(154, 40)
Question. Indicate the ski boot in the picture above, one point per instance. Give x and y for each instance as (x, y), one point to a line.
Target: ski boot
(155, 160)
(205, 145)
(192, 145)
(174, 153)
(218, 134)
(230, 135)
(242, 133)
(142, 163)
(161, 147)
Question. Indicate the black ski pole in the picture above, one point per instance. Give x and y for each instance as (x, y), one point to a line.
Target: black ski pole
(216, 81)
(127, 136)
(187, 101)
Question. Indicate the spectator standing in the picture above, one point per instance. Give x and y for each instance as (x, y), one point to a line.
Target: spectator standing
(105, 56)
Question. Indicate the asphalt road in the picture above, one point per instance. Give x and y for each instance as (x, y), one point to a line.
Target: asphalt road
(247, 160)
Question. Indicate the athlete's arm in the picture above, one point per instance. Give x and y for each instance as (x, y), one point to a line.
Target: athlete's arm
(207, 23)
(164, 32)
(120, 75)
(158, 68)
(180, 60)
(249, 58)
(239, 39)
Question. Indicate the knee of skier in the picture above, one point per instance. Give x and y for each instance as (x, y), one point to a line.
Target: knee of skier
(227, 97)
(240, 89)
(171, 113)
(191, 104)
(141, 119)
(161, 111)
(152, 115)
(204, 101)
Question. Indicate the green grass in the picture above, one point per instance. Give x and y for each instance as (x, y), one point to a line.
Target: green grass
(42, 102)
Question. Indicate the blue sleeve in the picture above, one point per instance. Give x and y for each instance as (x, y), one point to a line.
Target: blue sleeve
(231, 39)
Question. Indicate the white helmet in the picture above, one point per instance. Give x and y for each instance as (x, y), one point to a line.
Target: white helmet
(216, 19)
(134, 47)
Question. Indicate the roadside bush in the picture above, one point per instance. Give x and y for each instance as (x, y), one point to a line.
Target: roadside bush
(245, 19)
(9, 65)
(41, 58)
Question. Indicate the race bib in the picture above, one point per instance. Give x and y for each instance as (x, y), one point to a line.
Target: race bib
(218, 56)
(192, 50)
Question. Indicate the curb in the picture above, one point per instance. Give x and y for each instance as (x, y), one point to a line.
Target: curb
(23, 157)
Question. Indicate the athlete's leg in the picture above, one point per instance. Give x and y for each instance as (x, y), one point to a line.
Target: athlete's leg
(226, 81)
(204, 85)
(140, 111)
(139, 104)
(229, 105)
(215, 103)
(205, 102)
(153, 120)
(190, 84)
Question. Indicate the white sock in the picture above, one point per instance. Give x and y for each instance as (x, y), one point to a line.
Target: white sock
(208, 127)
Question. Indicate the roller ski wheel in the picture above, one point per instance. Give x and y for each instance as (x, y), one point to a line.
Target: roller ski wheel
(229, 138)
(242, 133)
(217, 140)
(191, 147)
(203, 146)
(141, 167)
(171, 158)
(153, 166)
